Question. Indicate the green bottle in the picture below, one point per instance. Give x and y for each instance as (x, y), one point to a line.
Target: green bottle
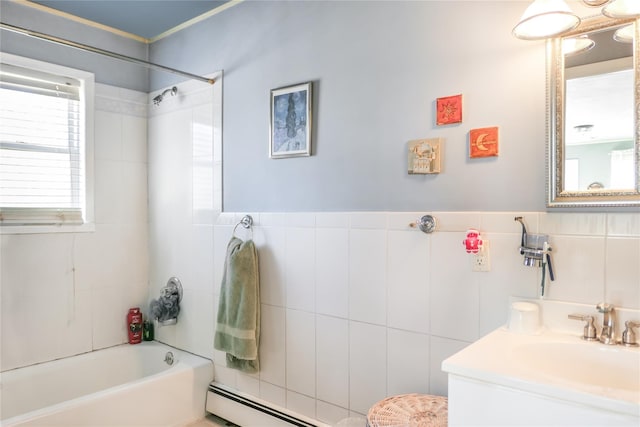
(147, 330)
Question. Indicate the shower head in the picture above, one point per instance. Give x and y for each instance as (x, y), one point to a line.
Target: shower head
(158, 99)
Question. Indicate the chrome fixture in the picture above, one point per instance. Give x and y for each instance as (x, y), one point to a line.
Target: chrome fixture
(589, 333)
(550, 18)
(628, 336)
(107, 53)
(168, 358)
(536, 251)
(608, 333)
(247, 223)
(158, 99)
(426, 224)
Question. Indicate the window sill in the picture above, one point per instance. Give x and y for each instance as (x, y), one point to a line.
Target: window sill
(89, 227)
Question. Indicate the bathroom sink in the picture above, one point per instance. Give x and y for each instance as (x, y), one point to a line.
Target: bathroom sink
(588, 363)
(556, 366)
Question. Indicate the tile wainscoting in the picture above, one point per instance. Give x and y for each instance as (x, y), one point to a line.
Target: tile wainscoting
(359, 306)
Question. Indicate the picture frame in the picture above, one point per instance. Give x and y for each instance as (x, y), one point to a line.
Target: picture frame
(291, 121)
(449, 110)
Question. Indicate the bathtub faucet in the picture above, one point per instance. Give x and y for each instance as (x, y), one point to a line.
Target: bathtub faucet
(608, 334)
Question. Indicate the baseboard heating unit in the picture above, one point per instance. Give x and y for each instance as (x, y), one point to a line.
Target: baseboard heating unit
(248, 411)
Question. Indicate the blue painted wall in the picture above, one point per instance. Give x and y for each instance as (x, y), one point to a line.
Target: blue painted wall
(377, 69)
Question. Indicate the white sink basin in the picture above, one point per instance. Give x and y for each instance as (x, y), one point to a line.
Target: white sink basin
(590, 364)
(557, 366)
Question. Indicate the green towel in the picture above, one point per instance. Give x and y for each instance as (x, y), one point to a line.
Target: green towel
(238, 325)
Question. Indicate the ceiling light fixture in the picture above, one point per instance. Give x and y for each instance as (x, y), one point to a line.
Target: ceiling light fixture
(549, 18)
(544, 19)
(624, 34)
(622, 9)
(594, 3)
(575, 45)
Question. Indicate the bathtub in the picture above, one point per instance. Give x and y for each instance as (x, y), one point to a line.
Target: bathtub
(126, 385)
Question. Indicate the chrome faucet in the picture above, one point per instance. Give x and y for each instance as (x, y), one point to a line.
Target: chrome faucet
(608, 334)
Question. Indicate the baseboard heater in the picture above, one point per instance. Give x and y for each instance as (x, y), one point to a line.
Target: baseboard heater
(247, 411)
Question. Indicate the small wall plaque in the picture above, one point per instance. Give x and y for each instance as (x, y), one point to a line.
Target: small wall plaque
(425, 155)
(449, 110)
(483, 142)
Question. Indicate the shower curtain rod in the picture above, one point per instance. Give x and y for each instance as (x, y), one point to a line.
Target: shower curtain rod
(69, 43)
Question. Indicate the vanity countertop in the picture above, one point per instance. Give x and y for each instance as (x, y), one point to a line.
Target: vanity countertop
(559, 366)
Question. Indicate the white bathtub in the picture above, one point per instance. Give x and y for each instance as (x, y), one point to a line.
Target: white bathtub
(127, 385)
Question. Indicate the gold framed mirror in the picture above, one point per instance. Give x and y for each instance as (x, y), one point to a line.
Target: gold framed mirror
(593, 106)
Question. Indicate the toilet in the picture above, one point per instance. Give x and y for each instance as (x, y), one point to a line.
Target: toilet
(411, 410)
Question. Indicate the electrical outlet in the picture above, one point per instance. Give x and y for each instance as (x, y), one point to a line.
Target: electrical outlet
(480, 261)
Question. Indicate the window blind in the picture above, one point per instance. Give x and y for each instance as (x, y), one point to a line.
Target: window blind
(41, 147)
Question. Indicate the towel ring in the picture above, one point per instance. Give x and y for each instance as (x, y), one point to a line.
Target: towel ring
(247, 223)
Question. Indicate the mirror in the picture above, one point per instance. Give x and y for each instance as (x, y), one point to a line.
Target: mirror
(593, 105)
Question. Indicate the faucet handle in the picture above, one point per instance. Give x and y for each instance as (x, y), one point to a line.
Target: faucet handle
(628, 336)
(590, 333)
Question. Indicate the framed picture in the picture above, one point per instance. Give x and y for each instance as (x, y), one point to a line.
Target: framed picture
(290, 126)
(425, 156)
(483, 142)
(449, 110)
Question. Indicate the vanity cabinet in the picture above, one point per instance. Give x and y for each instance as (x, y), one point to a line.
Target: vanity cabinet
(480, 403)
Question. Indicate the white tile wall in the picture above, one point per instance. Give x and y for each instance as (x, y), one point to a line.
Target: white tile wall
(391, 303)
(368, 275)
(271, 244)
(454, 299)
(439, 349)
(622, 268)
(330, 414)
(407, 362)
(68, 293)
(579, 271)
(274, 394)
(273, 345)
(367, 365)
(184, 235)
(301, 352)
(408, 281)
(332, 271)
(332, 360)
(299, 268)
(301, 404)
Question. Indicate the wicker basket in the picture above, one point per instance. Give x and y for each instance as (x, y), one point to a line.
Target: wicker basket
(409, 410)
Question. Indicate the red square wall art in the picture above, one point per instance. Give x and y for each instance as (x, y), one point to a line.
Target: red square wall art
(483, 142)
(449, 110)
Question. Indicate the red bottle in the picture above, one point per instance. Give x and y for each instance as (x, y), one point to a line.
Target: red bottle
(134, 325)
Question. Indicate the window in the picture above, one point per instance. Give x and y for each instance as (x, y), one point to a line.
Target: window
(622, 169)
(45, 143)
